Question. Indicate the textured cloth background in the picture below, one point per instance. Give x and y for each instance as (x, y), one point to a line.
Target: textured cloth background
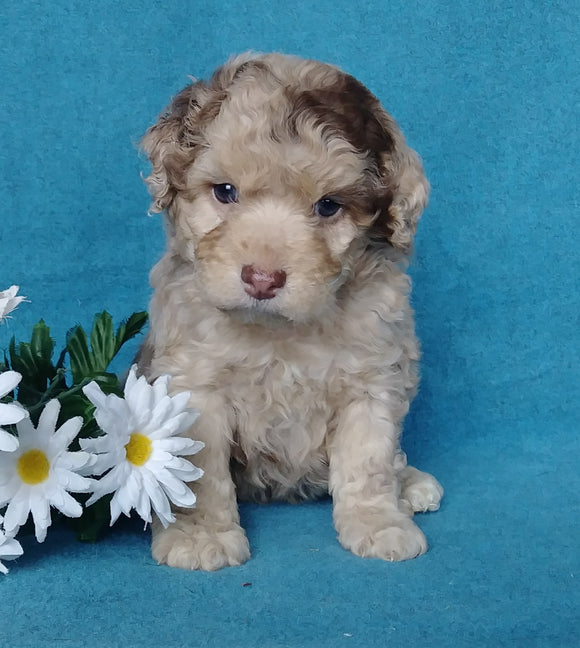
(488, 93)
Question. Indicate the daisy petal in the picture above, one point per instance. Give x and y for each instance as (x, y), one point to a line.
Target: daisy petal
(143, 507)
(158, 498)
(67, 505)
(129, 492)
(72, 482)
(185, 500)
(95, 394)
(180, 401)
(40, 509)
(158, 416)
(138, 396)
(76, 461)
(9, 548)
(64, 436)
(9, 301)
(178, 445)
(115, 509)
(109, 483)
(8, 442)
(179, 464)
(131, 379)
(49, 416)
(17, 513)
(11, 413)
(174, 486)
(159, 389)
(26, 432)
(8, 381)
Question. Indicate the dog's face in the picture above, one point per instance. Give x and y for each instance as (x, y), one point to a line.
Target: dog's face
(276, 175)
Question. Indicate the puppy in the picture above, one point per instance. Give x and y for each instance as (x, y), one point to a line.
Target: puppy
(281, 303)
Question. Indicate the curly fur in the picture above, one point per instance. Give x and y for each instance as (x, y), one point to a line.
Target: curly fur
(304, 393)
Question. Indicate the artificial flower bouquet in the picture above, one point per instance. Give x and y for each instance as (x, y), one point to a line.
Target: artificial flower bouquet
(76, 439)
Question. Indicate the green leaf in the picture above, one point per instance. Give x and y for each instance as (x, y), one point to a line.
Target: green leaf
(61, 358)
(75, 404)
(81, 362)
(42, 345)
(129, 328)
(103, 342)
(15, 361)
(34, 361)
(87, 362)
(56, 387)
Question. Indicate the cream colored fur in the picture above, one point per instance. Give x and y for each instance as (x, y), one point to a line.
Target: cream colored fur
(302, 394)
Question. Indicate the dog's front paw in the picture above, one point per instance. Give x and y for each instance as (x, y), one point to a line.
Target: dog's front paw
(420, 490)
(397, 539)
(194, 546)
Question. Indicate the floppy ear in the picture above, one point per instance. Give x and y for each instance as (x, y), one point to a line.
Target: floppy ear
(170, 146)
(410, 191)
(404, 187)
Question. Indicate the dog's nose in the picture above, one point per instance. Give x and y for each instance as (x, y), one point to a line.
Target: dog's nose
(261, 284)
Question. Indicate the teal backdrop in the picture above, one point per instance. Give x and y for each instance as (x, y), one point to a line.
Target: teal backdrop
(488, 93)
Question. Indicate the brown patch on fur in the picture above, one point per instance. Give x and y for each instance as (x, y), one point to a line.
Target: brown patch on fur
(254, 65)
(346, 109)
(327, 265)
(207, 113)
(209, 248)
(144, 357)
(366, 203)
(349, 110)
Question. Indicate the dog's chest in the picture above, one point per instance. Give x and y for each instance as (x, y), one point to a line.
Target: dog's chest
(283, 408)
(283, 400)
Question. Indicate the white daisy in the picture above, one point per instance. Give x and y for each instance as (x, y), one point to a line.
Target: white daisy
(140, 448)
(10, 413)
(41, 472)
(9, 301)
(9, 548)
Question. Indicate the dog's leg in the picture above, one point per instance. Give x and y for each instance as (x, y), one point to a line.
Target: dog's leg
(365, 488)
(208, 537)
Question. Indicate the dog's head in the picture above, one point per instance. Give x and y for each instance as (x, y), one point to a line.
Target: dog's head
(275, 175)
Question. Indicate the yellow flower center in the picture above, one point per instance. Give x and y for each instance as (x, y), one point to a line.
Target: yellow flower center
(33, 467)
(138, 449)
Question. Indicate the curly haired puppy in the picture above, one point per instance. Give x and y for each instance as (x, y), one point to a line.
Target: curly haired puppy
(281, 303)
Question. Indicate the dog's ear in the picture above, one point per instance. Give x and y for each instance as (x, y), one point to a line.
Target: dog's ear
(402, 189)
(173, 142)
(404, 184)
(170, 146)
(409, 193)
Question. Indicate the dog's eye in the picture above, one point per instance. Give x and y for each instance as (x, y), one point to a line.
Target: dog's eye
(326, 207)
(225, 193)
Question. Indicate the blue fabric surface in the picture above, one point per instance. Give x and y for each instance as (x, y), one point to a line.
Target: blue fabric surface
(488, 94)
